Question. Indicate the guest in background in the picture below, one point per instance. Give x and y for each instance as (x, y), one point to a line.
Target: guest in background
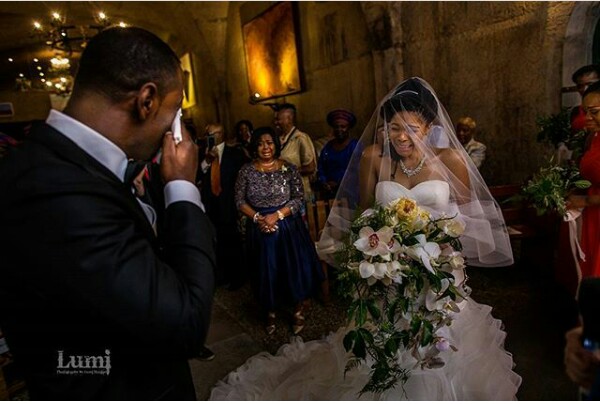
(296, 146)
(243, 131)
(465, 132)
(582, 366)
(335, 156)
(220, 167)
(5, 143)
(590, 170)
(285, 267)
(583, 78)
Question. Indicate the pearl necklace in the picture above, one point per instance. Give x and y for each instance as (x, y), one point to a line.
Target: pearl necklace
(408, 172)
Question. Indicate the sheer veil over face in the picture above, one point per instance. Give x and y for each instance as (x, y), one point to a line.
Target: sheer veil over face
(409, 144)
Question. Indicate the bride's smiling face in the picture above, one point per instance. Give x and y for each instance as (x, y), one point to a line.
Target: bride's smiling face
(403, 129)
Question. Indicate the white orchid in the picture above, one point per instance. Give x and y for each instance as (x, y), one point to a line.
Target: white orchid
(366, 269)
(425, 251)
(383, 262)
(386, 272)
(372, 272)
(375, 243)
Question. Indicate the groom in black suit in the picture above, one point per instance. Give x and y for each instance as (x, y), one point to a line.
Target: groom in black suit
(94, 305)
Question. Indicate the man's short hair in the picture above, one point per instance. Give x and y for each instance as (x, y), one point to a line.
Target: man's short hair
(585, 70)
(286, 106)
(119, 60)
(593, 88)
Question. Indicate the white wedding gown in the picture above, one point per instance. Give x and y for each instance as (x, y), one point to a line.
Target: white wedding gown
(480, 370)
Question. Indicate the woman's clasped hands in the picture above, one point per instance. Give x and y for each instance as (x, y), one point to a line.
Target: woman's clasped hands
(268, 223)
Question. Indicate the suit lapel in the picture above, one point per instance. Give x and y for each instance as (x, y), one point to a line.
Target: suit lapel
(68, 150)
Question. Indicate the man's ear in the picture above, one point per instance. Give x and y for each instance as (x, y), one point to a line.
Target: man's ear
(147, 101)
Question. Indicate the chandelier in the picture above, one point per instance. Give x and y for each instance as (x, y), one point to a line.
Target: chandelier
(67, 40)
(70, 38)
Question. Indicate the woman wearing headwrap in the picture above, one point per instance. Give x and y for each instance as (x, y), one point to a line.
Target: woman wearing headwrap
(336, 154)
(409, 149)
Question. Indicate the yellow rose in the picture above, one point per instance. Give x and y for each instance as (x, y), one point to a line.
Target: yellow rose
(406, 209)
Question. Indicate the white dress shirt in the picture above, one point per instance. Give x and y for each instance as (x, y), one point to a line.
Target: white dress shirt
(114, 159)
(220, 148)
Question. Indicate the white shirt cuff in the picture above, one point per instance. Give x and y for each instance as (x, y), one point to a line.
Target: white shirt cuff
(181, 190)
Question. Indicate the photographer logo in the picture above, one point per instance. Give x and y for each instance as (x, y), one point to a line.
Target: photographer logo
(83, 364)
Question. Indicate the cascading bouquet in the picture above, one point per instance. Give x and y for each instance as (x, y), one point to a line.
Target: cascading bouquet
(397, 268)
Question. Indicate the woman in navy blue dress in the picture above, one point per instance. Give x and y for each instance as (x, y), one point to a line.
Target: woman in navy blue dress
(285, 264)
(337, 153)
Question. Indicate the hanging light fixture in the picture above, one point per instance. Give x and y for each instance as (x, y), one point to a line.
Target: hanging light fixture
(69, 38)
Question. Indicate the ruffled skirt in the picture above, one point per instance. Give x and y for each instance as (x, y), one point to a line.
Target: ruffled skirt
(480, 370)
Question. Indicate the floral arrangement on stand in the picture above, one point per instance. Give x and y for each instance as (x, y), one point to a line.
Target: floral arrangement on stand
(555, 129)
(549, 188)
(398, 263)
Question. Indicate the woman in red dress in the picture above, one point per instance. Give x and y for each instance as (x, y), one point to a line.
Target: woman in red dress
(590, 170)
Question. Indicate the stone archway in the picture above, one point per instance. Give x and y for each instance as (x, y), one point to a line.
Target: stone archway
(577, 48)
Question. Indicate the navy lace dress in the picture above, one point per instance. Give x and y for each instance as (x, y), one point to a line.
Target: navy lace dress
(284, 264)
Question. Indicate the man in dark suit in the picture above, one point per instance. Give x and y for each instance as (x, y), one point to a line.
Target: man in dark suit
(220, 168)
(93, 304)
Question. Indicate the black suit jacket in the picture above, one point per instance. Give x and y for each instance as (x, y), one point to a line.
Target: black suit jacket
(82, 274)
(222, 209)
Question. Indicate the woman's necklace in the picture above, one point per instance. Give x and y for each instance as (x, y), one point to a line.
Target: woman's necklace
(407, 171)
(266, 166)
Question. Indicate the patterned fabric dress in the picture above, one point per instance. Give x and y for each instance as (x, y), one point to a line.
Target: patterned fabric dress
(284, 264)
(590, 237)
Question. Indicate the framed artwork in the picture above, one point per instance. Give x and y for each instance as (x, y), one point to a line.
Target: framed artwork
(189, 92)
(6, 110)
(272, 52)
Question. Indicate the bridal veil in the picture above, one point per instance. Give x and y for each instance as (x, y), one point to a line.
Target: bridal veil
(485, 240)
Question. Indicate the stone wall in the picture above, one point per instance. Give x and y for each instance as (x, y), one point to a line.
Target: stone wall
(499, 62)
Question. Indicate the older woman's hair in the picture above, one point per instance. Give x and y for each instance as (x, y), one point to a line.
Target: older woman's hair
(468, 122)
(257, 134)
(594, 88)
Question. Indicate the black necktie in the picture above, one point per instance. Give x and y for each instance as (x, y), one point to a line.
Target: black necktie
(134, 168)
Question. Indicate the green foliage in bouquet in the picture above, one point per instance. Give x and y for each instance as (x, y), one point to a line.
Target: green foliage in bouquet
(398, 265)
(556, 128)
(549, 188)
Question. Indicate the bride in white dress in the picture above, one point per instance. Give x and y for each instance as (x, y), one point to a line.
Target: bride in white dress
(408, 149)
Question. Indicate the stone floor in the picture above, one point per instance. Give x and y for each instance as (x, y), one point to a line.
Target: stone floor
(535, 312)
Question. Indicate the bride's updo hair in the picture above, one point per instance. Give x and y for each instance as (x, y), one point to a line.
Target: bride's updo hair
(410, 96)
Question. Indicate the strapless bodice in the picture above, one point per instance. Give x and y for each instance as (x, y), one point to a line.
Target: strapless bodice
(433, 195)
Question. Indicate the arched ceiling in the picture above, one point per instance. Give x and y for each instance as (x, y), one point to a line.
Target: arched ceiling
(185, 25)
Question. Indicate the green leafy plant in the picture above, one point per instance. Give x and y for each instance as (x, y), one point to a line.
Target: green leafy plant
(556, 128)
(398, 266)
(549, 188)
